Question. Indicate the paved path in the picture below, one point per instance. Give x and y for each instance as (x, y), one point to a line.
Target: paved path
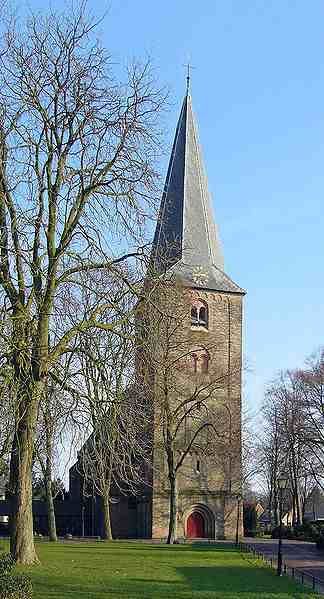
(296, 554)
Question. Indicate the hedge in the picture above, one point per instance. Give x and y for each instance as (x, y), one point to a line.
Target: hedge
(13, 586)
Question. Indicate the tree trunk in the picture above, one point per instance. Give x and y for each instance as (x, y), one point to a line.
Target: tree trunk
(106, 533)
(21, 517)
(172, 534)
(28, 361)
(293, 510)
(299, 507)
(297, 498)
(275, 507)
(51, 520)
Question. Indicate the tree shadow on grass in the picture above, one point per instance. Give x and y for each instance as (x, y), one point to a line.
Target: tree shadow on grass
(254, 581)
(196, 583)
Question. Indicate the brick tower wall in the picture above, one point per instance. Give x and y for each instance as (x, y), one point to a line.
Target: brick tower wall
(218, 481)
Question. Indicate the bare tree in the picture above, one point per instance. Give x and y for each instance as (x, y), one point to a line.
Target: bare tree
(251, 463)
(55, 410)
(270, 456)
(284, 448)
(44, 449)
(117, 455)
(310, 383)
(77, 155)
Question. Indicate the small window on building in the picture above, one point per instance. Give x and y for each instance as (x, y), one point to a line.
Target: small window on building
(199, 314)
(194, 361)
(200, 360)
(198, 466)
(194, 316)
(202, 316)
(203, 360)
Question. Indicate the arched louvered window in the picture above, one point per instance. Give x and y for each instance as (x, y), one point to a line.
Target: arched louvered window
(199, 314)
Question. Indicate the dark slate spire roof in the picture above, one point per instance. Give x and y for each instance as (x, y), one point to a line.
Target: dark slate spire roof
(186, 241)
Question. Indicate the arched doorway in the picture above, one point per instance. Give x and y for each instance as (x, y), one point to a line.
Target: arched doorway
(199, 522)
(195, 526)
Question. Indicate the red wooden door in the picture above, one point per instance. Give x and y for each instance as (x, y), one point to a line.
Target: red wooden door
(195, 526)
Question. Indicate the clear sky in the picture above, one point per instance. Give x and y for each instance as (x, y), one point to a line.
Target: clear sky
(258, 93)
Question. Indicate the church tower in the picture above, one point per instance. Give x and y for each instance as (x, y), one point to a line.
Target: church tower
(201, 441)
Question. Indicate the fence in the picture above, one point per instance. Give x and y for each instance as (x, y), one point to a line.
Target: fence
(312, 582)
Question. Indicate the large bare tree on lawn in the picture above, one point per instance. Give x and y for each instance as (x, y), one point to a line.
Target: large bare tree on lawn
(310, 384)
(77, 177)
(284, 446)
(55, 411)
(116, 456)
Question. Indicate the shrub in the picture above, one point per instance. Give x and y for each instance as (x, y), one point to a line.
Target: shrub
(286, 532)
(308, 531)
(13, 587)
(7, 563)
(318, 528)
(16, 587)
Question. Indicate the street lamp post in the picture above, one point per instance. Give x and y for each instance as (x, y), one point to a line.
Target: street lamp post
(282, 483)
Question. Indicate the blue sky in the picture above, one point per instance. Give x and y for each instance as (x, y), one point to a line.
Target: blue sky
(258, 93)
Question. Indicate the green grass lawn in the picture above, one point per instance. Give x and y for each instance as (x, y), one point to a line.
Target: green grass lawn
(141, 571)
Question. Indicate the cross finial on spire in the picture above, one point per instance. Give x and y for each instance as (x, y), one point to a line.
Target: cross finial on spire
(188, 67)
(188, 77)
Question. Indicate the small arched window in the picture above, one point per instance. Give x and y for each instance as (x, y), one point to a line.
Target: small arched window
(199, 314)
(200, 360)
(194, 316)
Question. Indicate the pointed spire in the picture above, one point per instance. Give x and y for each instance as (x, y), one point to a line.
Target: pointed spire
(186, 240)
